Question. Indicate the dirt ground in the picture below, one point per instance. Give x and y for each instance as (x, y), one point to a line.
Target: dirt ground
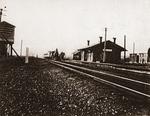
(42, 89)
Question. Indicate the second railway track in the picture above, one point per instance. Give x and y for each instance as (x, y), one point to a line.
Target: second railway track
(140, 89)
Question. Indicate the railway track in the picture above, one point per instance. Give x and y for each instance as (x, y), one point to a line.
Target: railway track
(138, 75)
(137, 88)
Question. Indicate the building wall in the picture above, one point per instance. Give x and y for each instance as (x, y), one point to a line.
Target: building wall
(77, 56)
(90, 57)
(143, 57)
(134, 58)
(97, 54)
(113, 55)
(82, 56)
(116, 56)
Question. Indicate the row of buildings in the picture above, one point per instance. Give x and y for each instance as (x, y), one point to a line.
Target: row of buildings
(142, 58)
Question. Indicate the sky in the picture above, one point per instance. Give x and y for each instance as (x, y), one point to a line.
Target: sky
(45, 25)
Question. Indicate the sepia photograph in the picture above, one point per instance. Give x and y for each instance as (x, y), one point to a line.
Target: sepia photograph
(74, 57)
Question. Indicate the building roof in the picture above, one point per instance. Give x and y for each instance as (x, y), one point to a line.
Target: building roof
(76, 52)
(102, 44)
(6, 24)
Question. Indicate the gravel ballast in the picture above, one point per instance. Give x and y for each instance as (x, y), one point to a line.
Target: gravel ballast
(42, 89)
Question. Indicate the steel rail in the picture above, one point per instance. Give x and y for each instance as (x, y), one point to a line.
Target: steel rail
(117, 67)
(101, 80)
(104, 73)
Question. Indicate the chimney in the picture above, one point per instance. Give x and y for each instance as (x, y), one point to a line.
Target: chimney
(114, 40)
(100, 39)
(88, 42)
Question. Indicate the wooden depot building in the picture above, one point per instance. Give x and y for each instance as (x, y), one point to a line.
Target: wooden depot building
(95, 53)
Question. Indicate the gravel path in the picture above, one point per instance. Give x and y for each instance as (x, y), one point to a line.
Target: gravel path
(41, 89)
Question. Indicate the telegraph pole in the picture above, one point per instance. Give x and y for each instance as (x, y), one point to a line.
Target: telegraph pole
(133, 53)
(133, 48)
(104, 56)
(27, 55)
(125, 47)
(1, 12)
(21, 48)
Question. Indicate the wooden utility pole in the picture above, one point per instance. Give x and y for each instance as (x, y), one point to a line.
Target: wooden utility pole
(27, 55)
(1, 12)
(11, 51)
(104, 56)
(21, 48)
(133, 48)
(125, 47)
(134, 59)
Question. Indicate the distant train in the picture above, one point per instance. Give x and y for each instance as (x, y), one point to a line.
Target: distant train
(54, 55)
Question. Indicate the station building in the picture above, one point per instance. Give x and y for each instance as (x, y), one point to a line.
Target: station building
(95, 53)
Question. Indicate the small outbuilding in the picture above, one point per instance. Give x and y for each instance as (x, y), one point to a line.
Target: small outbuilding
(134, 58)
(143, 58)
(95, 53)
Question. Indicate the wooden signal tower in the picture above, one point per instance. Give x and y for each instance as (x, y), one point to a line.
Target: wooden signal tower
(6, 37)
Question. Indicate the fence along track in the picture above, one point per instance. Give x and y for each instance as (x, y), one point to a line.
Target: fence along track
(78, 69)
